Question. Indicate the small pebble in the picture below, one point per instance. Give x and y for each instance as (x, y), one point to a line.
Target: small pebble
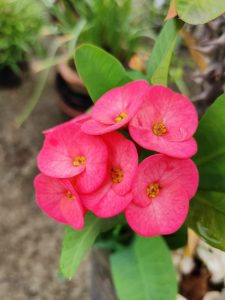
(213, 295)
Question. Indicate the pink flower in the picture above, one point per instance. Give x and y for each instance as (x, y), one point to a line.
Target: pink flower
(166, 123)
(162, 189)
(116, 107)
(115, 194)
(59, 200)
(68, 152)
(79, 120)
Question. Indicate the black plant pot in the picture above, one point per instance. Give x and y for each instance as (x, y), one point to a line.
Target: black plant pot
(8, 78)
(72, 102)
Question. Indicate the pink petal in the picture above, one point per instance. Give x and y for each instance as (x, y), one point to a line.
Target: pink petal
(94, 127)
(183, 173)
(105, 203)
(92, 199)
(112, 204)
(174, 110)
(126, 99)
(91, 179)
(96, 167)
(73, 212)
(49, 192)
(122, 154)
(80, 119)
(61, 147)
(167, 172)
(164, 215)
(146, 139)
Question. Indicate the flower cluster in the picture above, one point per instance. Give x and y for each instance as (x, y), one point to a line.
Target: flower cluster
(87, 165)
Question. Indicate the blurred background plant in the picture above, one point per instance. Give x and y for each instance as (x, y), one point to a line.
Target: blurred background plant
(211, 40)
(20, 25)
(119, 27)
(112, 25)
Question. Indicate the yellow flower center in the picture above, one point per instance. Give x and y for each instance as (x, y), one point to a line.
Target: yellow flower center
(120, 117)
(79, 161)
(159, 129)
(116, 175)
(70, 195)
(153, 190)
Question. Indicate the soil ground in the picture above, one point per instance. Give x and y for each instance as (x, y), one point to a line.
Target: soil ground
(29, 241)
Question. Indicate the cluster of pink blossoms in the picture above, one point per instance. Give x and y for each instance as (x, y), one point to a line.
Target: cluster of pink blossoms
(87, 165)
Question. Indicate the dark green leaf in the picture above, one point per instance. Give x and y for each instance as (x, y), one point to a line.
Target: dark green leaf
(159, 62)
(207, 211)
(210, 137)
(199, 11)
(144, 271)
(99, 70)
(177, 239)
(207, 217)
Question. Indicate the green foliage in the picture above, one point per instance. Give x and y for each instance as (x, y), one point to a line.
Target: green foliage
(207, 217)
(211, 147)
(99, 70)
(178, 239)
(110, 25)
(208, 208)
(20, 22)
(160, 59)
(144, 271)
(199, 11)
(76, 244)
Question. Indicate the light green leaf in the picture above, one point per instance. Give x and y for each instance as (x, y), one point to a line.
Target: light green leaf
(144, 271)
(210, 137)
(199, 11)
(160, 59)
(126, 275)
(76, 244)
(99, 70)
(207, 217)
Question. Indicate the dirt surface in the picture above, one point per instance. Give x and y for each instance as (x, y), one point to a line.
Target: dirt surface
(29, 241)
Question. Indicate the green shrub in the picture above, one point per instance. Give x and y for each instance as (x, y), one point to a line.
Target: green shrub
(112, 25)
(20, 23)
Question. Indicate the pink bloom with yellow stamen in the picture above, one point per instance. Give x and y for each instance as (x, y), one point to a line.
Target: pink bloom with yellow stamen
(115, 194)
(166, 123)
(162, 189)
(116, 108)
(58, 199)
(68, 152)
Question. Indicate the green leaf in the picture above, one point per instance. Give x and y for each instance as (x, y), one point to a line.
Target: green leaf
(76, 244)
(199, 11)
(99, 70)
(207, 211)
(210, 137)
(160, 59)
(144, 271)
(207, 217)
(178, 239)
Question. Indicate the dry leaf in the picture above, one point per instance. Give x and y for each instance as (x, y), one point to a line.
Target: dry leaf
(197, 56)
(172, 12)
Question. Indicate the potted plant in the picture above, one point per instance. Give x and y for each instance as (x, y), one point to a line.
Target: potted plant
(140, 261)
(112, 25)
(20, 24)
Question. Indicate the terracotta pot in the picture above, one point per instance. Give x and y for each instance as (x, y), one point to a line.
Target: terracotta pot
(74, 97)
